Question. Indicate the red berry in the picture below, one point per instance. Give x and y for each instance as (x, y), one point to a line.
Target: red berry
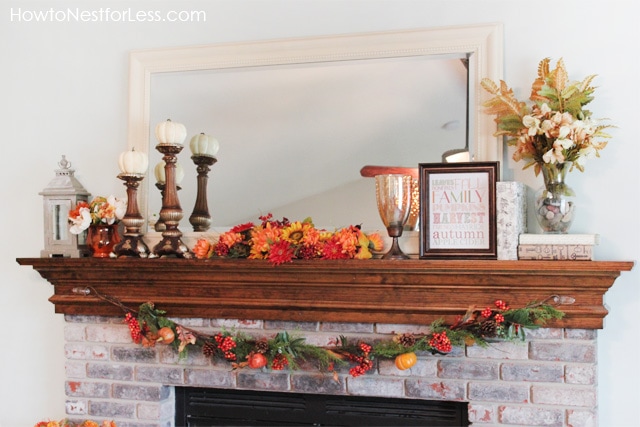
(487, 312)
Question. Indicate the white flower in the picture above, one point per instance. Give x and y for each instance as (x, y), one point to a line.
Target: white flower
(78, 225)
(564, 131)
(532, 123)
(120, 206)
(544, 109)
(585, 154)
(562, 143)
(547, 126)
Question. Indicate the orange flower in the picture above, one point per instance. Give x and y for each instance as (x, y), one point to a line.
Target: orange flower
(262, 238)
(230, 238)
(203, 249)
(348, 240)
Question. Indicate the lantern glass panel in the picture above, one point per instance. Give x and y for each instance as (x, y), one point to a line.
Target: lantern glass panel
(60, 227)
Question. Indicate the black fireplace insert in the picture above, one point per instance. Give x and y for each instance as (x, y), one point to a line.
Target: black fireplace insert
(205, 407)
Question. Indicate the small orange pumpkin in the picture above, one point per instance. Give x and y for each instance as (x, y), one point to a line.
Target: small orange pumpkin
(166, 335)
(406, 360)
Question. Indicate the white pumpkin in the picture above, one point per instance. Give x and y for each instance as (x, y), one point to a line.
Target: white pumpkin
(203, 144)
(133, 162)
(169, 132)
(162, 178)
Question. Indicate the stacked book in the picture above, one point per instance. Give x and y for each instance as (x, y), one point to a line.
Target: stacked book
(576, 247)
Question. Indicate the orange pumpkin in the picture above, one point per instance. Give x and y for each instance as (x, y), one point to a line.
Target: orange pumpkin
(166, 335)
(406, 360)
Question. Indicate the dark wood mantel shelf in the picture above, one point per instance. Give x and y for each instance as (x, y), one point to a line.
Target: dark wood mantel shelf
(376, 291)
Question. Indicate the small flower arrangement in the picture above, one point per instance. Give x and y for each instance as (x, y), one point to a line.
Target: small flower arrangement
(281, 241)
(556, 129)
(102, 210)
(67, 423)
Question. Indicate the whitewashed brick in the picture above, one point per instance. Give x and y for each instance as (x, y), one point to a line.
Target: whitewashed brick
(156, 411)
(74, 332)
(568, 351)
(86, 351)
(579, 418)
(75, 369)
(76, 407)
(367, 385)
(564, 395)
(580, 374)
(436, 389)
(118, 334)
(531, 416)
(500, 350)
(481, 413)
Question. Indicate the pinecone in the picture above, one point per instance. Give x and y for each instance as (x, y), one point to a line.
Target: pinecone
(209, 349)
(488, 328)
(406, 339)
(262, 346)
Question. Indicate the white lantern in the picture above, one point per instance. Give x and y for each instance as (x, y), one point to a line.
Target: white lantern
(204, 145)
(169, 132)
(133, 162)
(62, 195)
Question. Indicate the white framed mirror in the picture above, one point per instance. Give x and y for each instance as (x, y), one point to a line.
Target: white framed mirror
(311, 172)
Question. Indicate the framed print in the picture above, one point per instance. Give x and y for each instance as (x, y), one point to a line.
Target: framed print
(458, 210)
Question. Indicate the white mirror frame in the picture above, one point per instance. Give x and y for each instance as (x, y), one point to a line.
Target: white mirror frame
(481, 43)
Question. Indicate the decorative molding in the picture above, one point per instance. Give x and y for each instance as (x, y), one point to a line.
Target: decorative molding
(376, 291)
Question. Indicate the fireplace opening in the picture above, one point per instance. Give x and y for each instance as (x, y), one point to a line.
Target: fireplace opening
(205, 407)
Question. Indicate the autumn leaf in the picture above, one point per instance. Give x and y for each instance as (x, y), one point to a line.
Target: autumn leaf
(186, 337)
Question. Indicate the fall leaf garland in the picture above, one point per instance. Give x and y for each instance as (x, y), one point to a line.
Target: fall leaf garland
(475, 327)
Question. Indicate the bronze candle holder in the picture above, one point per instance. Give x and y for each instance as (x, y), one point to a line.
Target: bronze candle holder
(200, 218)
(132, 243)
(171, 212)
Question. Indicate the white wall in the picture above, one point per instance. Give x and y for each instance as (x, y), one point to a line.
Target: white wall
(64, 91)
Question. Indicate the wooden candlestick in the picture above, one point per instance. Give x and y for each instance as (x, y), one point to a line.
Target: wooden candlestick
(132, 243)
(200, 219)
(171, 212)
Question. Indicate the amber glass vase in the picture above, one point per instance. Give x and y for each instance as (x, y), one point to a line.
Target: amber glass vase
(101, 239)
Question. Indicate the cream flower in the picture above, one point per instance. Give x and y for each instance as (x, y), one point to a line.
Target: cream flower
(553, 156)
(120, 206)
(81, 223)
(531, 123)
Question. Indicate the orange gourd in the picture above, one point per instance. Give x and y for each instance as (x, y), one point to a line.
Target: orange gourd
(406, 360)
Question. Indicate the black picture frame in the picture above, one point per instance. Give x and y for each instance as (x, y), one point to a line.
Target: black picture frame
(458, 210)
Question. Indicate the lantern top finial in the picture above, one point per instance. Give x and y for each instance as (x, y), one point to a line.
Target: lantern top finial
(65, 167)
(64, 183)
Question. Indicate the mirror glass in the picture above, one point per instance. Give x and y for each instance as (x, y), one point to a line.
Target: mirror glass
(297, 119)
(298, 134)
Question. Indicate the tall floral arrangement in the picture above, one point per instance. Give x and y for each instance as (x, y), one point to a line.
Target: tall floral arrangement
(102, 210)
(280, 241)
(556, 128)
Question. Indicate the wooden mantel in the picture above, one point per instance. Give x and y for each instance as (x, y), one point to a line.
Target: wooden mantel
(376, 291)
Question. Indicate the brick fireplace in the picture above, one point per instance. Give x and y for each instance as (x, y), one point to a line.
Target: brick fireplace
(549, 380)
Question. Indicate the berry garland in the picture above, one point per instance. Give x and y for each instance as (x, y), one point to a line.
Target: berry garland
(149, 326)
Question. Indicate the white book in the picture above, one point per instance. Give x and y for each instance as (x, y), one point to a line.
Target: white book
(559, 239)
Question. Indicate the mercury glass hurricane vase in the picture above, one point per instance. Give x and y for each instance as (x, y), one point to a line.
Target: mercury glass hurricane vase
(393, 194)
